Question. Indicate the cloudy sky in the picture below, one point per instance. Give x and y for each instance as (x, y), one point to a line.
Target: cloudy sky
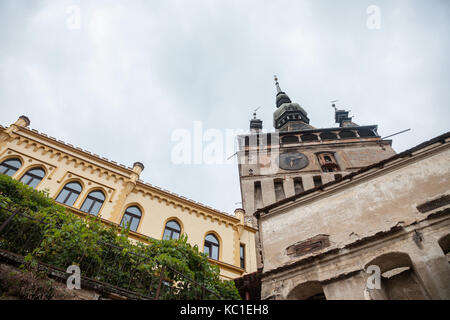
(121, 79)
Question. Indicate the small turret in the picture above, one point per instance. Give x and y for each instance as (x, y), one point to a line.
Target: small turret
(255, 124)
(341, 116)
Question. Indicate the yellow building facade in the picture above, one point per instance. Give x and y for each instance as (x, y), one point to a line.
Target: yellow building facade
(86, 183)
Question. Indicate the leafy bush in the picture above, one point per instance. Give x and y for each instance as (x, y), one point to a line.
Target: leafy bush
(54, 235)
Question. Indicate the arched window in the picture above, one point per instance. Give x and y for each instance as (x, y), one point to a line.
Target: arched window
(327, 135)
(93, 202)
(33, 177)
(211, 246)
(309, 137)
(69, 194)
(131, 217)
(366, 133)
(347, 134)
(10, 166)
(290, 139)
(172, 230)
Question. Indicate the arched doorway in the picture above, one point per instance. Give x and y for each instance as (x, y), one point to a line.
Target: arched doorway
(444, 243)
(399, 281)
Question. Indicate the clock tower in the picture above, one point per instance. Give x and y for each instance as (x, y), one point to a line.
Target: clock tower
(296, 156)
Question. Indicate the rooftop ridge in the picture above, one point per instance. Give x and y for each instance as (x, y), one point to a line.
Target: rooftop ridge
(77, 148)
(185, 198)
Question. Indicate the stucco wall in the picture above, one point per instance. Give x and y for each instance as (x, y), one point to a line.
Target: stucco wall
(64, 163)
(357, 209)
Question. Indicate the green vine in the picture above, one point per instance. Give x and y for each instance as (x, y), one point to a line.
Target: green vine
(58, 237)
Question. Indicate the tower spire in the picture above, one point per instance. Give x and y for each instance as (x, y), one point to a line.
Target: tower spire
(281, 96)
(255, 123)
(289, 115)
(277, 84)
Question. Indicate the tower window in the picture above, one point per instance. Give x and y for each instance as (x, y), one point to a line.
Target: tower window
(347, 134)
(269, 139)
(328, 136)
(298, 185)
(258, 201)
(328, 162)
(317, 181)
(290, 139)
(246, 148)
(279, 189)
(309, 137)
(366, 133)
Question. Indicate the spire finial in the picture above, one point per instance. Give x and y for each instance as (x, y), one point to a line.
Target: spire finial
(254, 113)
(255, 123)
(333, 104)
(277, 84)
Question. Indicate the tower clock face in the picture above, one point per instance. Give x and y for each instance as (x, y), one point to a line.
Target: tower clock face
(293, 160)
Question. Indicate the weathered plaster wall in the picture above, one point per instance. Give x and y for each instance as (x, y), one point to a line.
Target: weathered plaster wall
(342, 274)
(373, 216)
(360, 209)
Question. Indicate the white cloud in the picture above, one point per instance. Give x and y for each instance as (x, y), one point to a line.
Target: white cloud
(137, 70)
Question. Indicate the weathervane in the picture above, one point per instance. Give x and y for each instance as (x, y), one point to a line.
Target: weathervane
(254, 113)
(333, 104)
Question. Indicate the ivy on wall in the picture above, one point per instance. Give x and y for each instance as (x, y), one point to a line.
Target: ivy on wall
(53, 235)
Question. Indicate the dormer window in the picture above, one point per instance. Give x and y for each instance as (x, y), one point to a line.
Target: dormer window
(328, 162)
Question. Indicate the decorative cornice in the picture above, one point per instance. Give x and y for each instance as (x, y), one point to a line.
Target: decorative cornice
(189, 205)
(227, 266)
(48, 144)
(76, 150)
